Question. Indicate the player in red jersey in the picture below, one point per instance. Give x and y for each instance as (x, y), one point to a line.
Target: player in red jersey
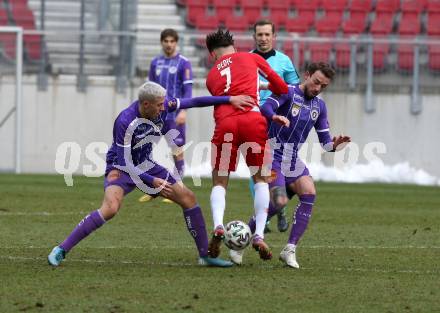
(236, 73)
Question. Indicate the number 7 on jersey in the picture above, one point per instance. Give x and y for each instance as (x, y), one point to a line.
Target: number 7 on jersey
(227, 72)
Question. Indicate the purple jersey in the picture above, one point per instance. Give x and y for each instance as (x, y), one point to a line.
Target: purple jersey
(303, 114)
(134, 136)
(174, 74)
(139, 152)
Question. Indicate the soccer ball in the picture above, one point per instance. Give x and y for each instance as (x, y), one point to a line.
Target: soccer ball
(237, 235)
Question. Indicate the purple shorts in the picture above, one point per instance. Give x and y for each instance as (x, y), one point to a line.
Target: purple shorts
(124, 180)
(285, 175)
(171, 124)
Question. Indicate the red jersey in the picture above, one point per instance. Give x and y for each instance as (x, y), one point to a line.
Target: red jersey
(237, 74)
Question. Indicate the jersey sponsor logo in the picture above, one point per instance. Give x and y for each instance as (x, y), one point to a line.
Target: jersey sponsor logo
(295, 109)
(314, 114)
(172, 70)
(298, 98)
(224, 63)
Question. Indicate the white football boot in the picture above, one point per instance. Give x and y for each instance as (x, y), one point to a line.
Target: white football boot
(288, 256)
(236, 256)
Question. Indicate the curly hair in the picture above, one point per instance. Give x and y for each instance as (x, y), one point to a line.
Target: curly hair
(325, 68)
(220, 39)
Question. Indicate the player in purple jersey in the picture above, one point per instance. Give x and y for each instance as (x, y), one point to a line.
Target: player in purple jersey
(291, 117)
(174, 73)
(130, 164)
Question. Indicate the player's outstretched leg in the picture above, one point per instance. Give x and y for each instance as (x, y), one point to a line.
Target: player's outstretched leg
(302, 217)
(218, 204)
(215, 243)
(262, 247)
(195, 224)
(282, 223)
(196, 227)
(278, 206)
(89, 224)
(288, 256)
(110, 206)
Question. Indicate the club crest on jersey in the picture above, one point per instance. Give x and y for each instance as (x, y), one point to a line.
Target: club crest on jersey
(295, 109)
(314, 114)
(158, 71)
(172, 70)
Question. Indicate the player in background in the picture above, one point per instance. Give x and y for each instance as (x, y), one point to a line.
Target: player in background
(264, 36)
(130, 164)
(232, 74)
(291, 117)
(174, 73)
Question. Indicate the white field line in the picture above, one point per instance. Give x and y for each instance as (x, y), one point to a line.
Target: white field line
(175, 264)
(184, 246)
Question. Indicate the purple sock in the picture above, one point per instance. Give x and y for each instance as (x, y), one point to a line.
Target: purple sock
(252, 224)
(196, 226)
(89, 224)
(302, 216)
(272, 212)
(180, 166)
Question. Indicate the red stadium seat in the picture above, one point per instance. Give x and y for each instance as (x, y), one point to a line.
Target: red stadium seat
(207, 22)
(334, 5)
(409, 24)
(320, 52)
(224, 8)
(301, 5)
(356, 24)
(3, 17)
(405, 60)
(380, 52)
(278, 5)
(433, 24)
(415, 6)
(390, 6)
(330, 23)
(237, 23)
(288, 50)
(279, 12)
(433, 6)
(279, 18)
(343, 55)
(244, 45)
(252, 9)
(194, 12)
(32, 44)
(361, 5)
(434, 57)
(301, 23)
(382, 25)
(8, 42)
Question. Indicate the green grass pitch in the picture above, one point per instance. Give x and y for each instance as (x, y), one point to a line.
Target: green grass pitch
(369, 248)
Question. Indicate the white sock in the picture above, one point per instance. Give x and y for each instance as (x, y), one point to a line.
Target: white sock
(218, 203)
(261, 205)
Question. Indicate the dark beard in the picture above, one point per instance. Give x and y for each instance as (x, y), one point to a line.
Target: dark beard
(306, 94)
